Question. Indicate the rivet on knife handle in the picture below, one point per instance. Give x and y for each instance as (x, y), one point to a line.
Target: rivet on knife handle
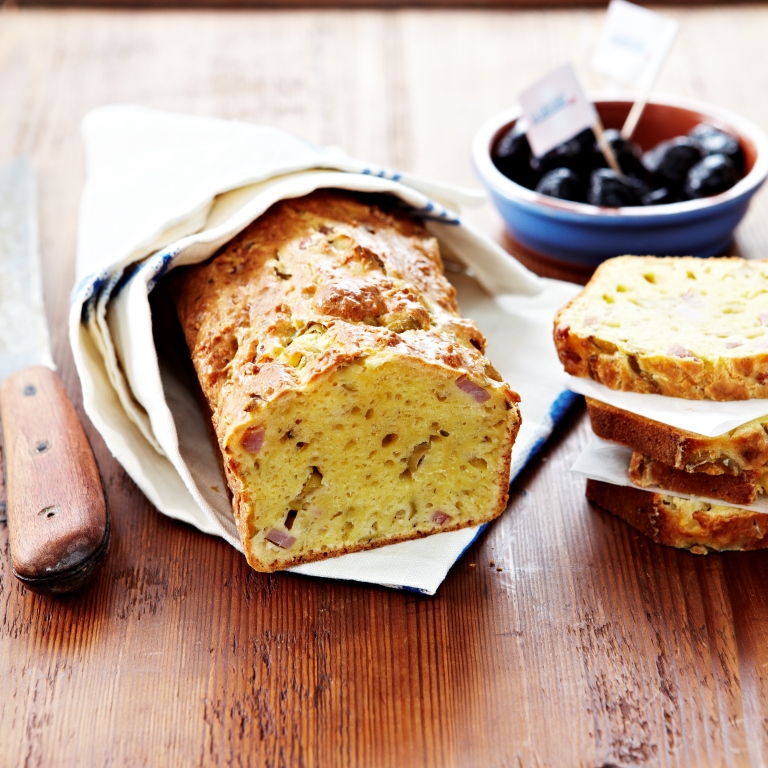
(58, 522)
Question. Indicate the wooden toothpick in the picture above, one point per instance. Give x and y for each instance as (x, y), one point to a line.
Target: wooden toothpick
(633, 118)
(605, 147)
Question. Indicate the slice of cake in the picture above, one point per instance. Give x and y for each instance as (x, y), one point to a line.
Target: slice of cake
(742, 449)
(352, 404)
(679, 326)
(743, 488)
(692, 524)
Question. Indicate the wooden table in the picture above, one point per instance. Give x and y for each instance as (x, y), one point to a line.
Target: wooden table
(584, 644)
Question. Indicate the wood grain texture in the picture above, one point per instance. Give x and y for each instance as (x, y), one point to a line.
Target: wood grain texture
(592, 646)
(333, 4)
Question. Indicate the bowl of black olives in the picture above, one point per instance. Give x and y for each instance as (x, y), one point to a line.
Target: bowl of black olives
(687, 176)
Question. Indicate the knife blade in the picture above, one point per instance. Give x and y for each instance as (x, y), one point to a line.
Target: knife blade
(58, 523)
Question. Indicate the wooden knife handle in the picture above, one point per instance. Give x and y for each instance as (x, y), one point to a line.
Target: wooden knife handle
(58, 523)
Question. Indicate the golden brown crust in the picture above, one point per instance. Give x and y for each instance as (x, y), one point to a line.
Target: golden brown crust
(368, 282)
(735, 489)
(741, 449)
(689, 365)
(658, 516)
(315, 287)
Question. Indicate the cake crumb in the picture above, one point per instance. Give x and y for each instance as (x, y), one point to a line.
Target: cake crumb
(492, 563)
(471, 565)
(499, 569)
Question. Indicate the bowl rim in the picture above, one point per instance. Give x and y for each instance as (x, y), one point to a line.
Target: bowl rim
(497, 182)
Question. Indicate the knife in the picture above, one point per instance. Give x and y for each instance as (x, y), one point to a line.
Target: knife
(58, 522)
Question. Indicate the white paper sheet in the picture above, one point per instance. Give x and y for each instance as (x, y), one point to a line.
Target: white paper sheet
(704, 417)
(609, 462)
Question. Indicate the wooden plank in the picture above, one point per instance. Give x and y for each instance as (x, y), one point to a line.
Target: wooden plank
(334, 4)
(590, 647)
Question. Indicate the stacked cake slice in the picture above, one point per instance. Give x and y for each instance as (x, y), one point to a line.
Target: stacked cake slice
(688, 329)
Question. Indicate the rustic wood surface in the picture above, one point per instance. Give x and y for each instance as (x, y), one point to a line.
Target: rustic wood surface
(282, 4)
(584, 644)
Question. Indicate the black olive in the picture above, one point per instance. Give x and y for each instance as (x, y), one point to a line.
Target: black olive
(562, 156)
(627, 154)
(710, 176)
(661, 196)
(576, 154)
(670, 161)
(715, 141)
(512, 156)
(608, 189)
(564, 184)
(586, 138)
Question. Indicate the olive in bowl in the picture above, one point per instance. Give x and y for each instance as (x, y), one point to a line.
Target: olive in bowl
(660, 219)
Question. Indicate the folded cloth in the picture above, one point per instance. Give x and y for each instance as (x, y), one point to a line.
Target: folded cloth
(166, 190)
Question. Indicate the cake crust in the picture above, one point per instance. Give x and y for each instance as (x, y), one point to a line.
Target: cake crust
(677, 326)
(352, 404)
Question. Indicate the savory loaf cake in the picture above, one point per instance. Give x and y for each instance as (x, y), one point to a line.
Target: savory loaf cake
(743, 488)
(742, 449)
(352, 404)
(682, 326)
(684, 523)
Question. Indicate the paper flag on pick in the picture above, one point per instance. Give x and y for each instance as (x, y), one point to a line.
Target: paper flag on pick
(556, 109)
(634, 44)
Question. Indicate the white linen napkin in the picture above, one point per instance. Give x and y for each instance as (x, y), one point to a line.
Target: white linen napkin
(164, 190)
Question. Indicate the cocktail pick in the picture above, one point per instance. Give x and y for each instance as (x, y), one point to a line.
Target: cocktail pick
(556, 109)
(631, 50)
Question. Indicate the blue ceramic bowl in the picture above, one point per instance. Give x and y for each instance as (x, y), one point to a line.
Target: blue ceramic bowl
(584, 235)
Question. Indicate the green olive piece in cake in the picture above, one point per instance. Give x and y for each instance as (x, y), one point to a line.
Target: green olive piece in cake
(352, 404)
(679, 326)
